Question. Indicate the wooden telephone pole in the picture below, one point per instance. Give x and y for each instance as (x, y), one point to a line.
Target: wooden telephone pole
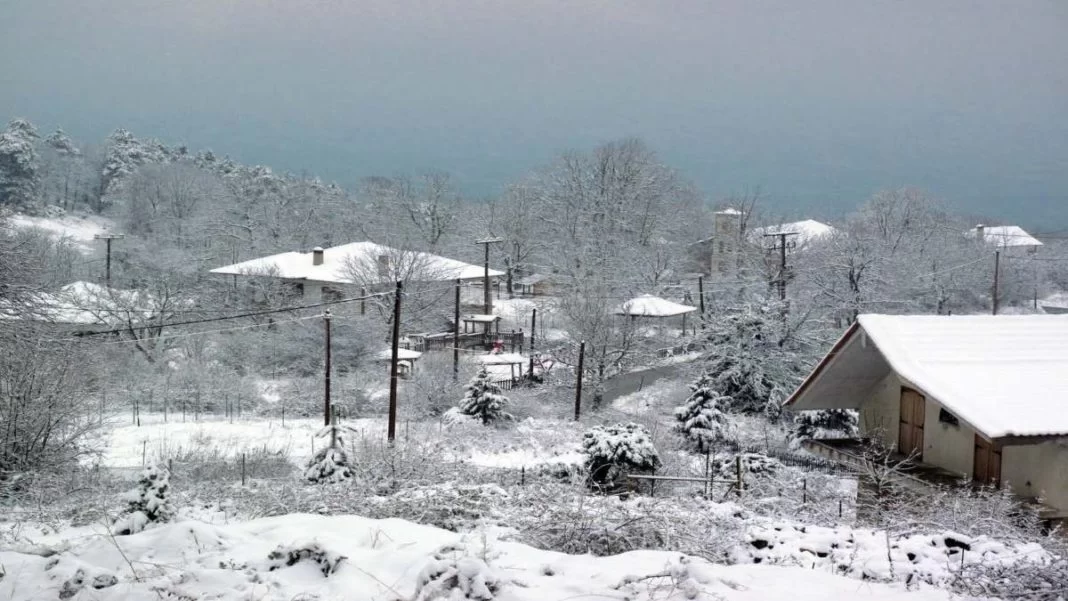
(391, 431)
(487, 298)
(781, 280)
(997, 274)
(326, 375)
(107, 261)
(578, 381)
(456, 335)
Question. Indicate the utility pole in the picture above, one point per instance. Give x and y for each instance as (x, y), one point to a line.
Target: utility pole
(781, 280)
(578, 381)
(391, 431)
(326, 376)
(487, 297)
(997, 273)
(107, 238)
(533, 325)
(456, 335)
(701, 296)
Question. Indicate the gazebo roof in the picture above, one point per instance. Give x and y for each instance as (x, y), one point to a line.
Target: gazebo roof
(502, 359)
(402, 353)
(648, 305)
(480, 318)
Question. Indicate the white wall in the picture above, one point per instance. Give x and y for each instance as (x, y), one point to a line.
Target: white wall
(880, 415)
(1039, 470)
(949, 447)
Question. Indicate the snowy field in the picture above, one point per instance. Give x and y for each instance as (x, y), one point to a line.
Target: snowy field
(356, 559)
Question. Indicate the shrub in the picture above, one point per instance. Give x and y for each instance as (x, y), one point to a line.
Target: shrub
(484, 399)
(612, 451)
(700, 419)
(148, 503)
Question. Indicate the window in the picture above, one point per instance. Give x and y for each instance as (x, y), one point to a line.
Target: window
(945, 417)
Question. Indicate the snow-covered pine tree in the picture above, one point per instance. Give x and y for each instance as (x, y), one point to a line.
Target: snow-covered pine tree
(700, 419)
(612, 451)
(750, 363)
(330, 464)
(148, 503)
(825, 423)
(483, 399)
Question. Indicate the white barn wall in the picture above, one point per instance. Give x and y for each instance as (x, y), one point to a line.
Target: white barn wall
(880, 415)
(1039, 470)
(949, 447)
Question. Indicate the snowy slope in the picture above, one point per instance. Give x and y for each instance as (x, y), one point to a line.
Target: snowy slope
(386, 560)
(80, 229)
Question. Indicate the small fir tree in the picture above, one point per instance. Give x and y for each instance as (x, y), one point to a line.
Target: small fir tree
(331, 464)
(612, 451)
(700, 419)
(483, 399)
(826, 423)
(148, 503)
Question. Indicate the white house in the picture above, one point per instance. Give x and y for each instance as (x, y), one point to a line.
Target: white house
(985, 397)
(1005, 237)
(322, 272)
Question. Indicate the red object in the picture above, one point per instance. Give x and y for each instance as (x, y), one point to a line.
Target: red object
(498, 345)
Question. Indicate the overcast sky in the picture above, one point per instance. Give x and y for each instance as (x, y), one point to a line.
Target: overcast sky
(819, 103)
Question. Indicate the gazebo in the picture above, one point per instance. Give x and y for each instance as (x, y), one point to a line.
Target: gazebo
(648, 305)
(405, 358)
(486, 320)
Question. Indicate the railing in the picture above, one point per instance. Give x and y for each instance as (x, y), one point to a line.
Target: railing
(512, 341)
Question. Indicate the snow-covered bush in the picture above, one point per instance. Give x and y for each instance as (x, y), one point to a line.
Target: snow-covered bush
(447, 579)
(752, 464)
(700, 419)
(331, 463)
(290, 555)
(612, 451)
(148, 503)
(483, 398)
(826, 423)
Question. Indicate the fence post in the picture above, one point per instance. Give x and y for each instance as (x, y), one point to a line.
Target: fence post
(839, 508)
(804, 491)
(242, 469)
(144, 452)
(738, 467)
(523, 476)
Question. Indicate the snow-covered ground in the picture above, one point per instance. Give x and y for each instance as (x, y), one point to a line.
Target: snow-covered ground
(79, 229)
(354, 558)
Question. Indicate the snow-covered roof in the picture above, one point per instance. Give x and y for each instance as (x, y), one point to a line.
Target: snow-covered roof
(1005, 375)
(729, 211)
(480, 318)
(402, 354)
(1005, 235)
(648, 305)
(807, 230)
(502, 359)
(348, 263)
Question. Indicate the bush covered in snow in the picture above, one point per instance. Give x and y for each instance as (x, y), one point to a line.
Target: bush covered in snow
(612, 451)
(483, 399)
(465, 577)
(701, 422)
(148, 503)
(290, 555)
(331, 463)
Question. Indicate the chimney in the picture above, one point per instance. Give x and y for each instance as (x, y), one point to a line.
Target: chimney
(317, 255)
(980, 232)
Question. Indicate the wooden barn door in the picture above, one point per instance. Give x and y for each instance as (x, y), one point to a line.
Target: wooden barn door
(987, 466)
(910, 428)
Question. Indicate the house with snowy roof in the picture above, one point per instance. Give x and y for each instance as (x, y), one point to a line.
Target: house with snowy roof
(322, 273)
(978, 397)
(1005, 237)
(799, 233)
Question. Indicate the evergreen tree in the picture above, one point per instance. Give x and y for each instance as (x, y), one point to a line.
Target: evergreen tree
(330, 464)
(612, 451)
(483, 399)
(19, 164)
(826, 423)
(751, 363)
(700, 419)
(148, 503)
